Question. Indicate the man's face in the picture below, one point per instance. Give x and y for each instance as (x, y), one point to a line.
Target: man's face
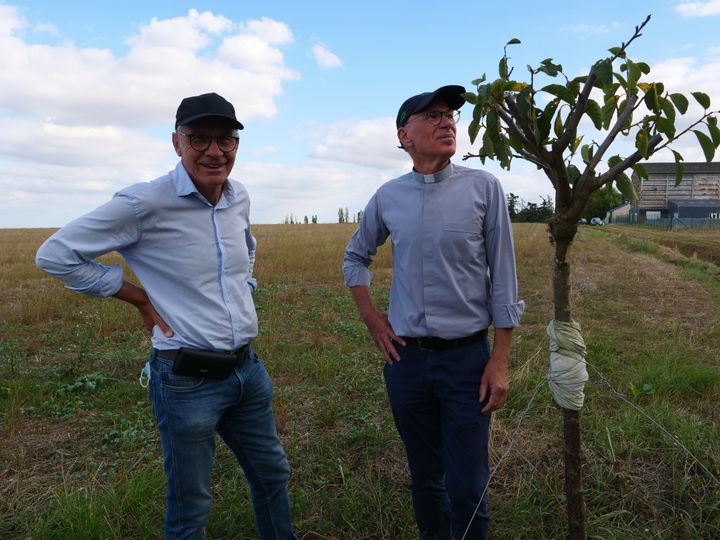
(208, 168)
(423, 140)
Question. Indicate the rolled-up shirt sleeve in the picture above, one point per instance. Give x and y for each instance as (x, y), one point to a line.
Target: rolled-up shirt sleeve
(70, 253)
(370, 234)
(503, 304)
(252, 246)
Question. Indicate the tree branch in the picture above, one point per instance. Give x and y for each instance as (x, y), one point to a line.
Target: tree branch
(527, 129)
(622, 117)
(626, 163)
(571, 124)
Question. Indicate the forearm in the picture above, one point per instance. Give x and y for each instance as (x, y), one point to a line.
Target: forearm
(132, 294)
(501, 345)
(363, 301)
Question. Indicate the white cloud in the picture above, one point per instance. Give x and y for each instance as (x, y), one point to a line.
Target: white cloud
(325, 58)
(168, 59)
(368, 143)
(699, 9)
(263, 151)
(78, 123)
(594, 28)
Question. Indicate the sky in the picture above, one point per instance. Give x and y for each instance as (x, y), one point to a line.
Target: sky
(89, 90)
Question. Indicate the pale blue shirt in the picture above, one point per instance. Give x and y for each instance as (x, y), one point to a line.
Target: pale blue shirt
(195, 261)
(452, 253)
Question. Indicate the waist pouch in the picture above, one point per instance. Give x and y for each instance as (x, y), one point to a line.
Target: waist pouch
(209, 364)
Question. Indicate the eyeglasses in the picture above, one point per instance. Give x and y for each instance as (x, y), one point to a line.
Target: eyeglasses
(435, 117)
(200, 143)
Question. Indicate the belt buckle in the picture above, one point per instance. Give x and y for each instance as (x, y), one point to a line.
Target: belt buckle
(425, 344)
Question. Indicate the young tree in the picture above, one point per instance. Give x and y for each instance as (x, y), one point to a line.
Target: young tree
(513, 205)
(341, 215)
(539, 123)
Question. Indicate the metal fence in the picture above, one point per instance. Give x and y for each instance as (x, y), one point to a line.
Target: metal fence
(670, 223)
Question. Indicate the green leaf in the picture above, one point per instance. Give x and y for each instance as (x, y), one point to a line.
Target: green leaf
(586, 152)
(679, 167)
(634, 73)
(545, 119)
(473, 130)
(669, 110)
(617, 51)
(470, 97)
(608, 111)
(575, 144)
(573, 173)
(707, 145)
(515, 143)
(680, 101)
(625, 186)
(524, 102)
(621, 80)
(640, 170)
(651, 99)
(593, 111)
(603, 72)
(558, 126)
(643, 67)
(702, 98)
(480, 80)
(513, 41)
(715, 134)
(560, 91)
(665, 126)
(502, 68)
(614, 160)
(641, 142)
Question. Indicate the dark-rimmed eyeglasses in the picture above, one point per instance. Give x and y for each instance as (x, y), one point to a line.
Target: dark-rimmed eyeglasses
(435, 117)
(200, 143)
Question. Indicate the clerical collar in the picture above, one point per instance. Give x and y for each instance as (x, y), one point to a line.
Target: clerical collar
(434, 178)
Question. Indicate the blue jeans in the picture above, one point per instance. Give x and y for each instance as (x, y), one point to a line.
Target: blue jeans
(188, 412)
(435, 403)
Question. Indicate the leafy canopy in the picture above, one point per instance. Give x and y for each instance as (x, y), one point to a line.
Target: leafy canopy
(538, 122)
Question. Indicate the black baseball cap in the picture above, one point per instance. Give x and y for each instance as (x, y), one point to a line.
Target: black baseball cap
(203, 106)
(452, 95)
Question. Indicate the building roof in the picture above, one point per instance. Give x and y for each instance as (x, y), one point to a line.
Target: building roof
(695, 202)
(690, 168)
(623, 205)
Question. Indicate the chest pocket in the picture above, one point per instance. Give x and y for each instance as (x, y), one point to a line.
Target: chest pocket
(461, 241)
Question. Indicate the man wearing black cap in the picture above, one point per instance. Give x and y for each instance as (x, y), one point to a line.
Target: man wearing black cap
(453, 276)
(186, 236)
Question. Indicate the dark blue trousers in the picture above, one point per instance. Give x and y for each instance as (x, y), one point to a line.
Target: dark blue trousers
(434, 399)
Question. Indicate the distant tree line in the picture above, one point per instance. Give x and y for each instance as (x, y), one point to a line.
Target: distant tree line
(529, 212)
(343, 217)
(291, 219)
(600, 202)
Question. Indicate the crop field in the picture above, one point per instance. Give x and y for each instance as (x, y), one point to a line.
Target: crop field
(80, 457)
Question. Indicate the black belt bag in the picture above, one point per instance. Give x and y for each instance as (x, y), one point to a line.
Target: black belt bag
(208, 364)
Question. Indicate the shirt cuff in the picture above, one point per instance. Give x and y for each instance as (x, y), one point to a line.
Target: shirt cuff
(507, 315)
(357, 276)
(106, 285)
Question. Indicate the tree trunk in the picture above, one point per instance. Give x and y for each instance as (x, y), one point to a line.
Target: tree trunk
(563, 237)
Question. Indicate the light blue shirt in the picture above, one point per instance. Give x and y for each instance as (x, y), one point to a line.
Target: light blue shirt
(452, 253)
(195, 261)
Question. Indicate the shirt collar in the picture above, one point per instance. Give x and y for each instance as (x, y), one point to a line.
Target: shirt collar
(184, 186)
(434, 178)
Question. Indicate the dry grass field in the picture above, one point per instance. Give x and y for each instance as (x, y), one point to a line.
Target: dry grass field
(80, 458)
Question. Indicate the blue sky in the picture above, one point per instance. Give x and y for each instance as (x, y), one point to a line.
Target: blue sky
(88, 91)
